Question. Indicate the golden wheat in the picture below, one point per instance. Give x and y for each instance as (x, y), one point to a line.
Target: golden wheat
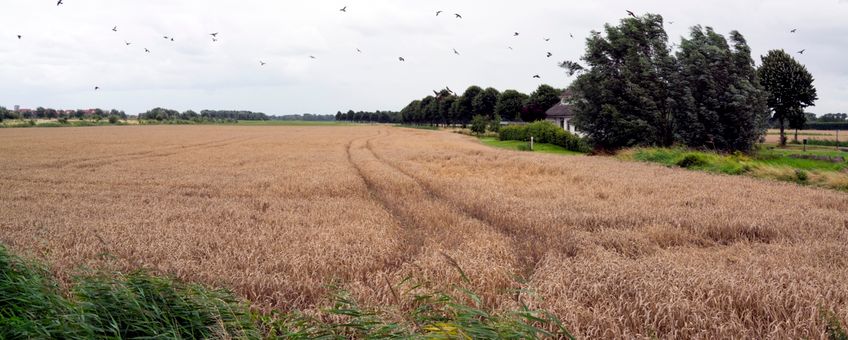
(615, 249)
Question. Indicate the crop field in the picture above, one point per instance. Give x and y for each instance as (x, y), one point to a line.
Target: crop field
(279, 214)
(773, 135)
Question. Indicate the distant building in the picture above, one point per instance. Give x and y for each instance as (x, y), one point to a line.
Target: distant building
(17, 108)
(562, 114)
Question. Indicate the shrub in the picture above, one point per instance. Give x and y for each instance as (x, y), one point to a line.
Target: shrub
(63, 120)
(692, 160)
(801, 175)
(113, 119)
(478, 124)
(544, 132)
(495, 124)
(513, 132)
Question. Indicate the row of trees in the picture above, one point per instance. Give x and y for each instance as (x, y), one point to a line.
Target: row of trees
(369, 117)
(306, 117)
(48, 113)
(634, 91)
(162, 114)
(447, 108)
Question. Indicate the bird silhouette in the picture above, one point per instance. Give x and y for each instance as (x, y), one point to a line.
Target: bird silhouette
(547, 39)
(437, 93)
(312, 57)
(165, 37)
(344, 9)
(571, 35)
(438, 12)
(550, 54)
(449, 90)
(214, 35)
(455, 51)
(262, 63)
(214, 40)
(146, 50)
(802, 51)
(59, 3)
(401, 59)
(96, 88)
(671, 22)
(630, 13)
(537, 77)
(457, 15)
(793, 30)
(127, 43)
(115, 29)
(172, 39)
(19, 37)
(509, 47)
(358, 50)
(515, 34)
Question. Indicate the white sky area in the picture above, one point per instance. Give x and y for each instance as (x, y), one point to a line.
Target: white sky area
(68, 50)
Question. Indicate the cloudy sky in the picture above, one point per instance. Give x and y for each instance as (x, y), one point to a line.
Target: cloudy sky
(67, 50)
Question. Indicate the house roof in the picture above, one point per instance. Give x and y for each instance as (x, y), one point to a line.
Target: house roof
(562, 109)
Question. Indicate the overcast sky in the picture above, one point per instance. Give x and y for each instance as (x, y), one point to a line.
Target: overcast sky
(67, 50)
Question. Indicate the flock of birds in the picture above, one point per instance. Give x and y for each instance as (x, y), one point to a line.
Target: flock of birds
(214, 37)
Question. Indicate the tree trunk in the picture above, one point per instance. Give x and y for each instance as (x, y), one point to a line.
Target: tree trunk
(796, 135)
(782, 133)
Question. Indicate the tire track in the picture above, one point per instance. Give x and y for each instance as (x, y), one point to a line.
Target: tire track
(152, 155)
(529, 244)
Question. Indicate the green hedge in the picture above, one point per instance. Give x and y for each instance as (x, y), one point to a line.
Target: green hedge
(827, 126)
(544, 132)
(820, 142)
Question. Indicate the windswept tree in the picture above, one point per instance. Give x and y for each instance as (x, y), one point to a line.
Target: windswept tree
(410, 113)
(622, 97)
(724, 106)
(539, 102)
(484, 103)
(790, 88)
(510, 104)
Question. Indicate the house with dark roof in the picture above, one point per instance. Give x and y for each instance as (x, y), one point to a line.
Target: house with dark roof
(562, 114)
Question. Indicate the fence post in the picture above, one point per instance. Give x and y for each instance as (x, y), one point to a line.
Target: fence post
(531, 143)
(837, 139)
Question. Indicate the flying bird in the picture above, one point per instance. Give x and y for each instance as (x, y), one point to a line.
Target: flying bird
(358, 50)
(515, 34)
(550, 54)
(547, 39)
(214, 40)
(437, 93)
(262, 63)
(457, 15)
(449, 90)
(127, 43)
(96, 88)
(19, 37)
(146, 50)
(802, 51)
(172, 39)
(401, 59)
(165, 37)
(312, 57)
(455, 52)
(571, 35)
(60, 3)
(630, 13)
(537, 76)
(214, 35)
(671, 22)
(344, 9)
(793, 30)
(438, 12)
(509, 47)
(115, 29)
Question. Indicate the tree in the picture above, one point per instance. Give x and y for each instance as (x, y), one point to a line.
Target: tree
(510, 104)
(623, 96)
(724, 106)
(789, 85)
(484, 103)
(478, 124)
(539, 102)
(495, 124)
(446, 109)
(463, 108)
(409, 113)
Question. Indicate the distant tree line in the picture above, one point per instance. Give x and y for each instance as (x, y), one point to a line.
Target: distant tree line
(634, 91)
(385, 117)
(48, 113)
(162, 114)
(448, 108)
(306, 117)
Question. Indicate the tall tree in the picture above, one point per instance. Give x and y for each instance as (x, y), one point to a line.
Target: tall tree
(484, 103)
(539, 102)
(724, 106)
(623, 96)
(789, 85)
(463, 108)
(510, 104)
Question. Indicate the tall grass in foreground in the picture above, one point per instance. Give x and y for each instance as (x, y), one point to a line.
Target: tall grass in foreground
(139, 305)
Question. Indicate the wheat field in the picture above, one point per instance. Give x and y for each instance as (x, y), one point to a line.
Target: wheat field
(278, 214)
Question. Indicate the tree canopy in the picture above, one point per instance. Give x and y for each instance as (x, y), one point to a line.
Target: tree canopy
(790, 88)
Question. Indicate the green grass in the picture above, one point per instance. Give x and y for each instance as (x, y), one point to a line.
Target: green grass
(419, 127)
(290, 123)
(522, 146)
(143, 306)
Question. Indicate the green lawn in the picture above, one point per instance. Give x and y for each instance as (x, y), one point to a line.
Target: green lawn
(518, 145)
(289, 123)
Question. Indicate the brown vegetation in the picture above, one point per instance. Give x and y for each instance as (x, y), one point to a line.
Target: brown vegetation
(615, 249)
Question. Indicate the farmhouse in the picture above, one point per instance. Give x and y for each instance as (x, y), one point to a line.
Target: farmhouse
(562, 114)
